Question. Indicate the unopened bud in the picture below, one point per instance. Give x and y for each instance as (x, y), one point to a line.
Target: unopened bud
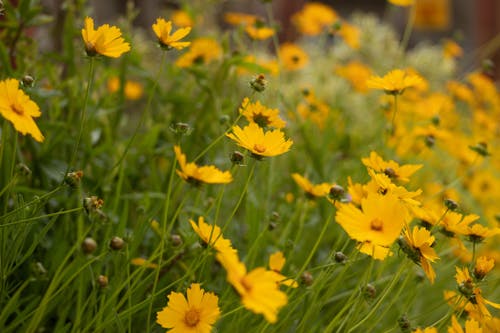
(481, 148)
(430, 141)
(237, 158)
(23, 169)
(369, 291)
(307, 278)
(451, 204)
(102, 281)
(180, 128)
(73, 178)
(89, 245)
(340, 257)
(404, 324)
(336, 192)
(258, 83)
(117, 243)
(28, 81)
(176, 240)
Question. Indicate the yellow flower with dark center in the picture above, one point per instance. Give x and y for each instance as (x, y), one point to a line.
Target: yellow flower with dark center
(394, 82)
(202, 51)
(167, 40)
(312, 191)
(19, 109)
(483, 266)
(197, 313)
(402, 3)
(258, 289)
(259, 31)
(259, 143)
(106, 40)
(212, 236)
(192, 173)
(381, 183)
(276, 262)
(314, 18)
(356, 73)
(417, 245)
(132, 90)
(477, 232)
(261, 115)
(390, 168)
(292, 56)
(376, 225)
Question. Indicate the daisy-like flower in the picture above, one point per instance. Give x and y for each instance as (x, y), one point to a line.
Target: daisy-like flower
(394, 82)
(425, 330)
(19, 109)
(133, 90)
(292, 56)
(483, 266)
(314, 18)
(259, 31)
(451, 49)
(202, 51)
(182, 19)
(381, 183)
(477, 232)
(402, 3)
(143, 262)
(376, 225)
(167, 40)
(276, 262)
(356, 73)
(106, 40)
(454, 223)
(192, 173)
(314, 109)
(390, 168)
(261, 115)
(471, 326)
(212, 236)
(259, 289)
(417, 245)
(196, 314)
(259, 143)
(235, 18)
(312, 191)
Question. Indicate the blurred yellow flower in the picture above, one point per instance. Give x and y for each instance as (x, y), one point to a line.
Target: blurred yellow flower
(402, 3)
(276, 262)
(197, 313)
(312, 191)
(202, 51)
(292, 56)
(314, 109)
(426, 330)
(19, 109)
(212, 236)
(356, 73)
(471, 326)
(106, 40)
(261, 115)
(235, 18)
(314, 18)
(350, 34)
(483, 266)
(143, 262)
(259, 288)
(182, 19)
(417, 244)
(390, 168)
(432, 14)
(394, 82)
(260, 143)
(259, 32)
(167, 40)
(451, 49)
(132, 90)
(192, 173)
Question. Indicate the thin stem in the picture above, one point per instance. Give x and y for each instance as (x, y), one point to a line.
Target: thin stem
(408, 28)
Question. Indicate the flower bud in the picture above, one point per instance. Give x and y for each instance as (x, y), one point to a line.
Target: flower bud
(340, 257)
(404, 324)
(336, 192)
(258, 83)
(450, 204)
(92, 204)
(89, 245)
(430, 141)
(180, 128)
(116, 243)
(28, 81)
(307, 278)
(176, 240)
(481, 148)
(73, 178)
(23, 169)
(369, 291)
(102, 281)
(237, 158)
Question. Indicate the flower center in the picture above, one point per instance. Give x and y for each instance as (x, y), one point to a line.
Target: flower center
(261, 120)
(376, 224)
(295, 59)
(192, 317)
(259, 148)
(17, 109)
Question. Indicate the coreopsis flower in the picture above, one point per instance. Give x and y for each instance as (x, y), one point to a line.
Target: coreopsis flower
(356, 73)
(167, 40)
(460, 91)
(192, 173)
(395, 82)
(432, 14)
(471, 326)
(212, 236)
(390, 168)
(314, 109)
(276, 262)
(202, 51)
(261, 115)
(417, 244)
(483, 266)
(182, 19)
(143, 262)
(196, 314)
(259, 31)
(106, 40)
(350, 34)
(312, 191)
(402, 3)
(425, 330)
(259, 143)
(292, 56)
(258, 289)
(19, 109)
(381, 183)
(235, 18)
(133, 90)
(477, 232)
(451, 49)
(376, 225)
(454, 223)
(314, 18)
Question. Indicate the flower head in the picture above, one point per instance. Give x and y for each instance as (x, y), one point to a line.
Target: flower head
(261, 115)
(190, 172)
(394, 82)
(19, 109)
(133, 90)
(417, 244)
(292, 56)
(106, 40)
(202, 51)
(259, 31)
(212, 235)
(167, 40)
(314, 18)
(197, 314)
(483, 266)
(356, 73)
(390, 168)
(260, 143)
(276, 262)
(312, 191)
(402, 3)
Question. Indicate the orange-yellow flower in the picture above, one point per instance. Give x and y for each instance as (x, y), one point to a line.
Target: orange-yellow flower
(260, 143)
(196, 314)
(483, 266)
(314, 18)
(261, 115)
(202, 51)
(19, 109)
(276, 262)
(190, 172)
(167, 40)
(212, 235)
(312, 191)
(390, 168)
(356, 73)
(417, 245)
(259, 31)
(292, 56)
(394, 82)
(106, 40)
(402, 3)
(132, 90)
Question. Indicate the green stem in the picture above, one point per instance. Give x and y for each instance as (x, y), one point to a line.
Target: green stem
(408, 28)
(41, 217)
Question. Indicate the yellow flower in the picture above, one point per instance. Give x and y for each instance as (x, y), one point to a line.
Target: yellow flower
(106, 40)
(292, 56)
(483, 266)
(402, 3)
(417, 245)
(314, 109)
(259, 31)
(202, 51)
(350, 34)
(313, 18)
(390, 168)
(477, 233)
(471, 326)
(182, 19)
(454, 223)
(276, 262)
(197, 314)
(381, 183)
(312, 191)
(19, 109)
(433, 14)
(356, 73)
(235, 18)
(394, 82)
(169, 41)
(260, 143)
(212, 235)
(132, 90)
(426, 330)
(261, 115)
(376, 225)
(192, 173)
(258, 289)
(451, 49)
(143, 262)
